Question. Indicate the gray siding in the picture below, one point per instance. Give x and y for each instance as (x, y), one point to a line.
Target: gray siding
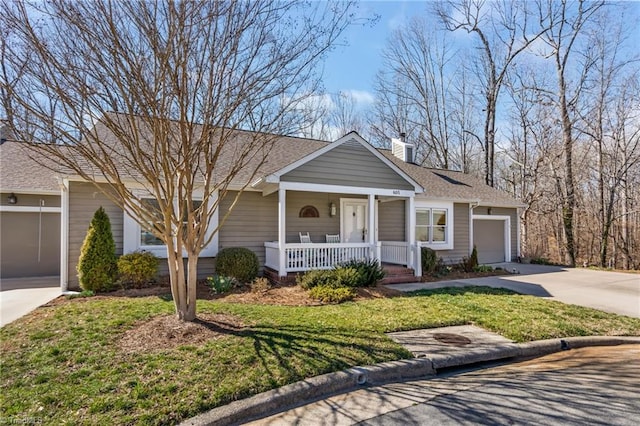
(503, 211)
(206, 267)
(31, 200)
(84, 200)
(350, 164)
(317, 227)
(391, 221)
(460, 235)
(253, 220)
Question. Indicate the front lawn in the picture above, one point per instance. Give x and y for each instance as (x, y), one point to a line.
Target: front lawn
(93, 361)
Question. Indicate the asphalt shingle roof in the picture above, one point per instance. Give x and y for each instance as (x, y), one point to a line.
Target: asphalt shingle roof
(19, 170)
(22, 170)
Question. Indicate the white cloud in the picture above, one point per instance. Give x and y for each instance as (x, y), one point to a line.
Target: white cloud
(361, 97)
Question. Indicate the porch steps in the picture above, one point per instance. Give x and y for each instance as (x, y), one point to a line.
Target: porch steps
(395, 274)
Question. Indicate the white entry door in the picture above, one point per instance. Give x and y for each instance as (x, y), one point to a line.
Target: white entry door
(353, 226)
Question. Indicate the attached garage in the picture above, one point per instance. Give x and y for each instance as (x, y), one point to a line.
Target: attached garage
(491, 236)
(30, 213)
(30, 244)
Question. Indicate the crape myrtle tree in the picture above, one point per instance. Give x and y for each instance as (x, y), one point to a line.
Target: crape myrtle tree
(148, 99)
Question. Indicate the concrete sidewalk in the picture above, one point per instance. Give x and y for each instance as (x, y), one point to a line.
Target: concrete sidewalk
(614, 292)
(19, 296)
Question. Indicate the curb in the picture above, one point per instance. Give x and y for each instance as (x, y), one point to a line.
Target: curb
(318, 387)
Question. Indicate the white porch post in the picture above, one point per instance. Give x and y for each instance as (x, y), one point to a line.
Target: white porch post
(371, 240)
(282, 234)
(410, 221)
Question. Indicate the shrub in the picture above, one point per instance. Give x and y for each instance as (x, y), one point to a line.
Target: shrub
(345, 276)
(329, 294)
(238, 262)
(429, 260)
(314, 278)
(469, 264)
(220, 284)
(337, 277)
(97, 267)
(260, 285)
(138, 268)
(369, 271)
(84, 293)
(483, 268)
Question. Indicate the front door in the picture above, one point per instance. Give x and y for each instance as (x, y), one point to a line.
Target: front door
(354, 221)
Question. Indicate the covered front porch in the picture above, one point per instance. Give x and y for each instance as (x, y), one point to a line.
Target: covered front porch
(342, 202)
(342, 226)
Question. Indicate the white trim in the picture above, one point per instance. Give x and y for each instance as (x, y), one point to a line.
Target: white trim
(30, 191)
(30, 209)
(410, 231)
(282, 232)
(339, 189)
(438, 205)
(507, 232)
(131, 233)
(275, 177)
(518, 241)
(64, 236)
(371, 220)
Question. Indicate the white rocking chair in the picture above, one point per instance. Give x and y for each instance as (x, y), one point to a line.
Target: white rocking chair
(333, 238)
(305, 238)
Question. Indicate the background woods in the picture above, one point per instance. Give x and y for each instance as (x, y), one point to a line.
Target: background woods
(539, 98)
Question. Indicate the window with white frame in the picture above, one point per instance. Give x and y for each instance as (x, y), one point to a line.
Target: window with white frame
(434, 225)
(137, 237)
(147, 237)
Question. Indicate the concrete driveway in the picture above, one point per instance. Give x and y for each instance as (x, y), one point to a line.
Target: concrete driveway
(19, 296)
(614, 292)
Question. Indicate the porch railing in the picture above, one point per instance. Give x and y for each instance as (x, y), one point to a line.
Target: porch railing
(304, 257)
(395, 252)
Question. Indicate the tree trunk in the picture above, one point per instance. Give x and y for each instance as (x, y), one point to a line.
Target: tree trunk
(569, 202)
(179, 286)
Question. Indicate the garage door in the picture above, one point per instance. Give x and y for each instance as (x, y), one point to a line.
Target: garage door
(488, 237)
(29, 244)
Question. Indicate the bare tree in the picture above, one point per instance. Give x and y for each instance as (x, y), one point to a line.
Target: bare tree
(153, 95)
(504, 30)
(566, 23)
(417, 81)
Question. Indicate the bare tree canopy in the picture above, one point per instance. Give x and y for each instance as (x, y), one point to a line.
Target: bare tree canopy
(505, 30)
(150, 98)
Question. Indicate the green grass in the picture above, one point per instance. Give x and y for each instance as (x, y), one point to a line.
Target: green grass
(62, 365)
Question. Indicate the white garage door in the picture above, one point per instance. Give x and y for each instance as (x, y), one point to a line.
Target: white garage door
(488, 237)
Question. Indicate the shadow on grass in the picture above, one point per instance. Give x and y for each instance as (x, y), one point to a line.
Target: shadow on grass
(458, 291)
(290, 353)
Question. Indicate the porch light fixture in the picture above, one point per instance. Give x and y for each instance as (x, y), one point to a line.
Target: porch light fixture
(332, 209)
(12, 199)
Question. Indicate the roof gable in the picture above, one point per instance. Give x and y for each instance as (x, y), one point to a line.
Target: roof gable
(349, 161)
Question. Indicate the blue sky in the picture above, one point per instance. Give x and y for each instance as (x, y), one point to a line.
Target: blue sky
(353, 67)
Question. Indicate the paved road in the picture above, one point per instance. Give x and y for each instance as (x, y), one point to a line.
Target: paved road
(588, 386)
(614, 292)
(19, 296)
